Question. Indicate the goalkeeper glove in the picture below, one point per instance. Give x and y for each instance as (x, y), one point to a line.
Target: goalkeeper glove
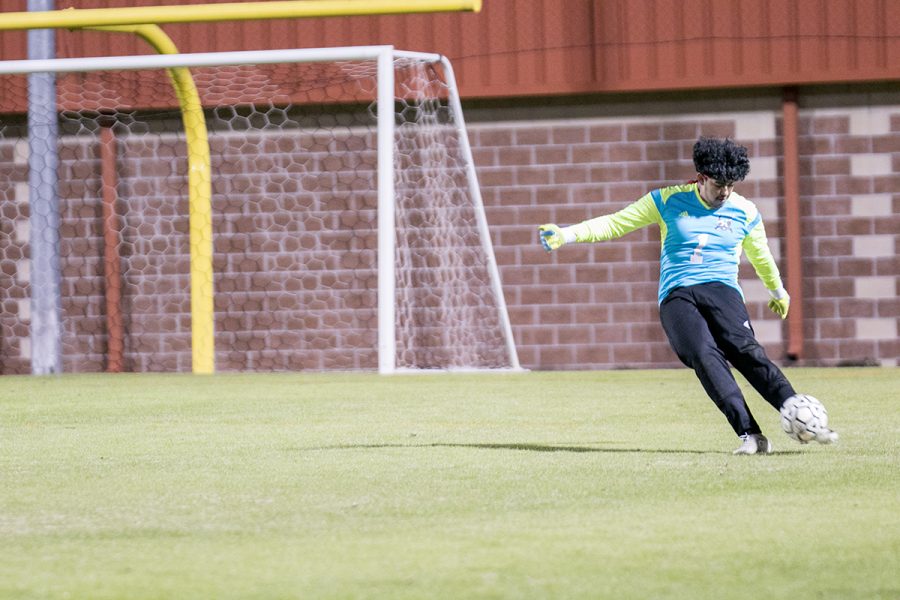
(553, 236)
(780, 302)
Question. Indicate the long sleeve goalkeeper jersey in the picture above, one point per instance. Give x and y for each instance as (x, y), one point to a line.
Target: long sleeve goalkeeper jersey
(700, 244)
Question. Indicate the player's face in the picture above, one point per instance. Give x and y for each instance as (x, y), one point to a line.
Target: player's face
(713, 192)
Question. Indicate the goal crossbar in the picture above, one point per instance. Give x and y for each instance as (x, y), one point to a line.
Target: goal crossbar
(203, 59)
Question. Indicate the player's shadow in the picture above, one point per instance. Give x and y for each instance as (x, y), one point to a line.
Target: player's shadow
(529, 447)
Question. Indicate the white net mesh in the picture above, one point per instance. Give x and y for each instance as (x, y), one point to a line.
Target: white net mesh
(294, 204)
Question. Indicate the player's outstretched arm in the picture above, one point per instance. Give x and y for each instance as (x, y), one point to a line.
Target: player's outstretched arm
(638, 214)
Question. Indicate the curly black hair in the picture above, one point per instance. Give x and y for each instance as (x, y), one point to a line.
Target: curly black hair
(721, 159)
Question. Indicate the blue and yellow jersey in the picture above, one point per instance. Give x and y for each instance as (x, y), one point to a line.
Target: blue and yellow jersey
(700, 244)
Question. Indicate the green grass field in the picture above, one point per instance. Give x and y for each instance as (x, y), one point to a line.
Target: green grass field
(538, 485)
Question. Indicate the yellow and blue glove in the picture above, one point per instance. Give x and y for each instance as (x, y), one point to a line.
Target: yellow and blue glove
(780, 302)
(551, 236)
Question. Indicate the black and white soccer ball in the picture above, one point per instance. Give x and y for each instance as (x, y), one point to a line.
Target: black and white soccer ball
(805, 419)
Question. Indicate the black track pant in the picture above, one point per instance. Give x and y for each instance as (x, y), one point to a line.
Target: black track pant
(708, 327)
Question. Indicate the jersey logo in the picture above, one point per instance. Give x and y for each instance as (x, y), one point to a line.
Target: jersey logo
(723, 224)
(683, 214)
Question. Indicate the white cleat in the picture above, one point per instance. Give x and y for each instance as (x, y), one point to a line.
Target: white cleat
(754, 443)
(827, 437)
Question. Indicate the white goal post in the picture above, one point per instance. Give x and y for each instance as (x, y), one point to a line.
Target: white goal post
(297, 231)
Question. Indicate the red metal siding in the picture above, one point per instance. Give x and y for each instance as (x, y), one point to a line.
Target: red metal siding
(542, 47)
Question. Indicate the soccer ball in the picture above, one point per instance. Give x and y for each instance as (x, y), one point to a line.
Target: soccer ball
(805, 419)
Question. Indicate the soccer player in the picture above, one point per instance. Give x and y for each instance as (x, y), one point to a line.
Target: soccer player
(705, 226)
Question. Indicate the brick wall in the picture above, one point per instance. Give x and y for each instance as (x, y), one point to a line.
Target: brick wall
(585, 307)
(294, 254)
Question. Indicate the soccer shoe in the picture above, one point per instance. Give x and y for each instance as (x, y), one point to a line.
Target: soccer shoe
(828, 436)
(754, 443)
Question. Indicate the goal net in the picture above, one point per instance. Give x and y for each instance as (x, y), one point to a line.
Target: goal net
(347, 229)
